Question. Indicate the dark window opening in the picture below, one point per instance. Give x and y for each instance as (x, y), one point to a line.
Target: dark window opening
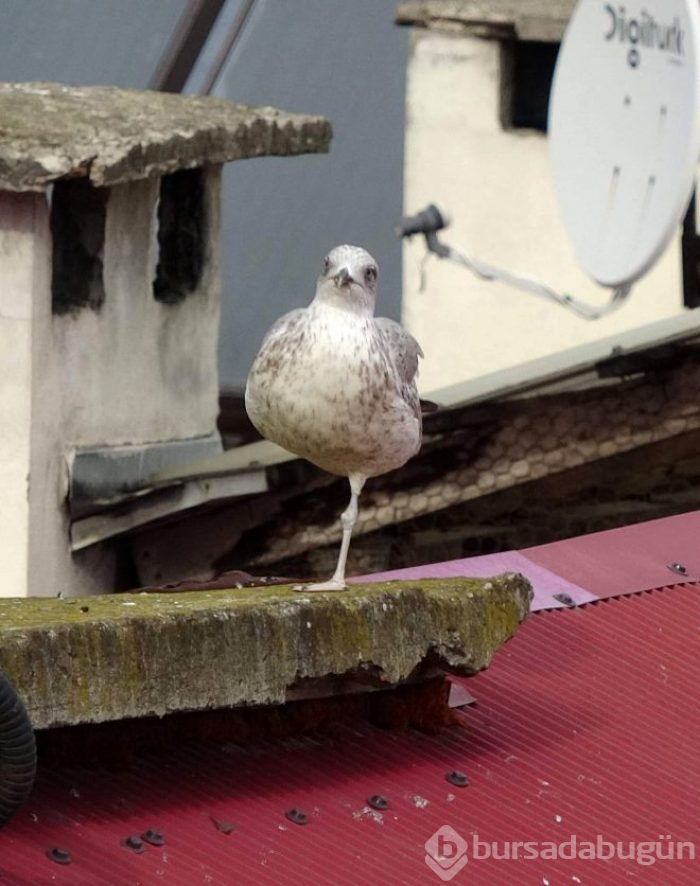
(690, 250)
(77, 221)
(181, 235)
(527, 69)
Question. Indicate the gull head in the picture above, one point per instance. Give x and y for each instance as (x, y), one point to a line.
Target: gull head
(348, 279)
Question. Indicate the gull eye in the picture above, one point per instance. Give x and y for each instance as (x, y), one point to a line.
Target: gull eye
(371, 275)
(326, 265)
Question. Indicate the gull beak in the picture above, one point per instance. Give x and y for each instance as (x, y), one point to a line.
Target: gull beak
(342, 278)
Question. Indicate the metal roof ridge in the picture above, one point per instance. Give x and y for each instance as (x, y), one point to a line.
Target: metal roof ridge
(567, 363)
(622, 595)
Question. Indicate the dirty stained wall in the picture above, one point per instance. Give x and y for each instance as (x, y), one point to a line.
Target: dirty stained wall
(136, 370)
(495, 185)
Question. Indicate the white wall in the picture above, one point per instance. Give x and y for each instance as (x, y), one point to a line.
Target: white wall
(495, 186)
(134, 371)
(23, 249)
(138, 370)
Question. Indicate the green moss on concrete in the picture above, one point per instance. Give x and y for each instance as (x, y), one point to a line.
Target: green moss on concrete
(51, 131)
(116, 656)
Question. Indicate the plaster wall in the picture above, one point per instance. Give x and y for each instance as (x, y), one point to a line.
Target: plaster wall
(495, 185)
(51, 568)
(137, 370)
(22, 245)
(134, 371)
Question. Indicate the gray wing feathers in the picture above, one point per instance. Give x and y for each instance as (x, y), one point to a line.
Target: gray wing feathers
(404, 348)
(405, 352)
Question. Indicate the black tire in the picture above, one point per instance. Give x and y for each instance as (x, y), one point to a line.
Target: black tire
(17, 751)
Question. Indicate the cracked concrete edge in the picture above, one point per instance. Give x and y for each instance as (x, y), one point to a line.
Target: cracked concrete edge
(89, 660)
(540, 20)
(49, 131)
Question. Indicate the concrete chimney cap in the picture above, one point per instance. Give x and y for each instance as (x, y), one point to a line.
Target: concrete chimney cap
(49, 131)
(542, 20)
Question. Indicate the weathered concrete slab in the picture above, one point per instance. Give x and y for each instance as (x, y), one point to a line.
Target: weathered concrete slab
(50, 131)
(496, 19)
(90, 660)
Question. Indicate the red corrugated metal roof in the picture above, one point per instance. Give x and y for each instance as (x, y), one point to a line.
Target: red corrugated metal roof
(587, 723)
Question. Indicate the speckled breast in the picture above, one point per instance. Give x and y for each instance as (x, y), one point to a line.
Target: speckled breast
(326, 390)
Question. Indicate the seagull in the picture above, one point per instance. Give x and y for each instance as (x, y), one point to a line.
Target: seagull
(336, 385)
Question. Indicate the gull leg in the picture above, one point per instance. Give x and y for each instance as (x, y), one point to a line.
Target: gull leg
(347, 520)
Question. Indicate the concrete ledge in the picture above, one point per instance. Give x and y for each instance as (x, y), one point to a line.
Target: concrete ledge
(492, 19)
(51, 131)
(91, 660)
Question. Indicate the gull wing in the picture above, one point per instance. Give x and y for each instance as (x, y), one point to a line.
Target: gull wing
(405, 350)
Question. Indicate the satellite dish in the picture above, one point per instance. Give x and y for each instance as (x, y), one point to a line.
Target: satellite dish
(624, 125)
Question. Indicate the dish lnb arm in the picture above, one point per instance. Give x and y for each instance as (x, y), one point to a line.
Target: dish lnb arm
(431, 220)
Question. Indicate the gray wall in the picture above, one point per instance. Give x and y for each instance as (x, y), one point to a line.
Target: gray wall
(85, 41)
(344, 59)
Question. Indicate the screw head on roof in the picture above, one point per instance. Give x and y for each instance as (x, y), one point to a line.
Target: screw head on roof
(224, 827)
(60, 856)
(133, 843)
(678, 567)
(458, 779)
(566, 599)
(296, 816)
(155, 838)
(376, 801)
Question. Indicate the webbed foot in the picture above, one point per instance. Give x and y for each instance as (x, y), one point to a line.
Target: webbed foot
(332, 584)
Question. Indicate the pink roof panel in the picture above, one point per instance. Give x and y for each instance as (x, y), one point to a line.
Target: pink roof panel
(590, 567)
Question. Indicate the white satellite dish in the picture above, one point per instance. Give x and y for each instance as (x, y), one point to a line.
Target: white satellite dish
(624, 125)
